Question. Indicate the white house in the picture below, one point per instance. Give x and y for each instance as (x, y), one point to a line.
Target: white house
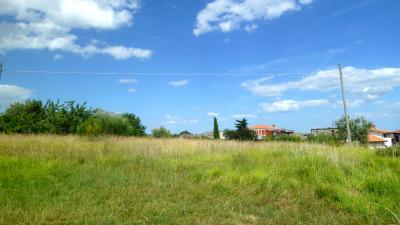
(378, 137)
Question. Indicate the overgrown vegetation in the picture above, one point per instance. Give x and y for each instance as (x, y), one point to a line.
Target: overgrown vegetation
(103, 123)
(36, 117)
(393, 151)
(161, 132)
(118, 180)
(284, 137)
(328, 139)
(242, 132)
(359, 127)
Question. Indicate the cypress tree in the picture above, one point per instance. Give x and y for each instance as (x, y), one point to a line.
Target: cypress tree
(216, 130)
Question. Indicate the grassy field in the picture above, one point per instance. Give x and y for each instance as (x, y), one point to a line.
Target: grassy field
(115, 180)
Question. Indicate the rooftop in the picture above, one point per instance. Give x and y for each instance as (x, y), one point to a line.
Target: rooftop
(373, 138)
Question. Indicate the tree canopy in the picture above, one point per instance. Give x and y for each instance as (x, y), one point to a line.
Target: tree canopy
(359, 127)
(216, 129)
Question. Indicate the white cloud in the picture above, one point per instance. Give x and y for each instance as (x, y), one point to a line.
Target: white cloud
(131, 90)
(229, 15)
(172, 120)
(241, 116)
(11, 93)
(38, 24)
(291, 105)
(249, 28)
(58, 57)
(179, 83)
(213, 114)
(359, 83)
(127, 80)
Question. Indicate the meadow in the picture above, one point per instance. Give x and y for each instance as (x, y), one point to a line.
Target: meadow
(123, 180)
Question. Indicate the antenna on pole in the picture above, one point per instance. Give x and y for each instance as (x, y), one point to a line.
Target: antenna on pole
(345, 106)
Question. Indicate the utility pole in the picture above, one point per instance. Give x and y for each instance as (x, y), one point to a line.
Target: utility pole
(1, 69)
(345, 106)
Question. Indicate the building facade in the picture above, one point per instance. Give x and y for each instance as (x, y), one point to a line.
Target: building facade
(262, 131)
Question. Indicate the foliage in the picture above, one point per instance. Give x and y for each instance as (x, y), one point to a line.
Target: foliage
(103, 123)
(49, 179)
(161, 132)
(230, 134)
(242, 132)
(216, 129)
(393, 151)
(284, 137)
(137, 128)
(359, 127)
(34, 117)
(185, 132)
(333, 140)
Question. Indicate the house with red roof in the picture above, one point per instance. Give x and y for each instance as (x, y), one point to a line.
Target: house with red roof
(261, 131)
(389, 138)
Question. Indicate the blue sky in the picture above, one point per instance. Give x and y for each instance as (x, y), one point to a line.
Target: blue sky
(179, 63)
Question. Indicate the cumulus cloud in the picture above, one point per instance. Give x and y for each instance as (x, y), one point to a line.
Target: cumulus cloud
(213, 114)
(359, 83)
(179, 83)
(291, 105)
(37, 24)
(229, 15)
(241, 116)
(11, 93)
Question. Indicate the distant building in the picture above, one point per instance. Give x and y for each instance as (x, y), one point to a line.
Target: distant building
(261, 131)
(386, 135)
(375, 141)
(325, 131)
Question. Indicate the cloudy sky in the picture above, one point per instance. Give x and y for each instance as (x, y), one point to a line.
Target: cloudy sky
(179, 63)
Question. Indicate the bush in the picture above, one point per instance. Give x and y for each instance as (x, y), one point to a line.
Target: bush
(33, 116)
(104, 123)
(325, 139)
(161, 132)
(391, 152)
(283, 137)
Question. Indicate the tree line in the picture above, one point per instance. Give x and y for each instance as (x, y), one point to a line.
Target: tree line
(53, 117)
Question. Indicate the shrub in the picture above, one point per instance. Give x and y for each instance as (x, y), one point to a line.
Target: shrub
(325, 139)
(390, 152)
(161, 132)
(33, 116)
(112, 124)
(283, 137)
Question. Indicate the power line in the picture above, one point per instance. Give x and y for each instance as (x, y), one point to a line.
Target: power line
(160, 74)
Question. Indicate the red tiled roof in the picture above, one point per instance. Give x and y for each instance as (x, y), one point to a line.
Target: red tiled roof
(380, 130)
(373, 138)
(396, 132)
(265, 127)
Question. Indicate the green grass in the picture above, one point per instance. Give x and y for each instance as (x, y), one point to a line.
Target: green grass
(114, 180)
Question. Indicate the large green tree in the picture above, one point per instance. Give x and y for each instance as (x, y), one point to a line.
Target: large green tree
(243, 132)
(216, 129)
(359, 127)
